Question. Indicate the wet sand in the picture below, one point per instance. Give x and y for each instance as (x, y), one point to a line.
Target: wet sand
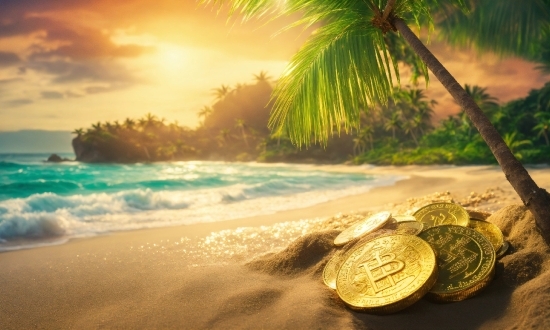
(201, 276)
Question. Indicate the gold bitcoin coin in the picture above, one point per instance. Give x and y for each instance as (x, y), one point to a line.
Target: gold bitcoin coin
(478, 215)
(503, 250)
(387, 274)
(442, 214)
(466, 261)
(363, 227)
(403, 218)
(489, 230)
(409, 228)
(333, 265)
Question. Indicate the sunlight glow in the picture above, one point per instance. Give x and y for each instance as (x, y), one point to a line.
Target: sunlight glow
(172, 58)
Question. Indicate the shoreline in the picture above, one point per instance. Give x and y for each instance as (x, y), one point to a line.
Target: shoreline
(194, 276)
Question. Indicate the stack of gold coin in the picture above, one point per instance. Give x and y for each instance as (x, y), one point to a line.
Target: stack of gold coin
(466, 261)
(387, 262)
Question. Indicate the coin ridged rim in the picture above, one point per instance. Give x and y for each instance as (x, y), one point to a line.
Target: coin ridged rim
(468, 291)
(328, 279)
(496, 230)
(463, 218)
(464, 294)
(503, 249)
(348, 235)
(403, 218)
(402, 302)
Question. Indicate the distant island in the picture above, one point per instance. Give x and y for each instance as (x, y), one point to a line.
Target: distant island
(401, 132)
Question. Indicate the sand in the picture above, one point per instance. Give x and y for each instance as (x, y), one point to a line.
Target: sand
(265, 272)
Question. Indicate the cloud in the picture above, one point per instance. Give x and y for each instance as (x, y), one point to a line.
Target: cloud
(51, 95)
(65, 71)
(99, 89)
(9, 81)
(8, 59)
(18, 102)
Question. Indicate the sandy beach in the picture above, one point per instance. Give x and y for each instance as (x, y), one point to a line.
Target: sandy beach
(264, 272)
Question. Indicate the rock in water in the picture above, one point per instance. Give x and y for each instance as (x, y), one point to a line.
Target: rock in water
(55, 158)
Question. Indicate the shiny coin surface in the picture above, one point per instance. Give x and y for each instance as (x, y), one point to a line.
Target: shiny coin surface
(409, 228)
(478, 215)
(391, 224)
(403, 218)
(489, 230)
(466, 261)
(363, 227)
(387, 274)
(503, 249)
(333, 265)
(442, 214)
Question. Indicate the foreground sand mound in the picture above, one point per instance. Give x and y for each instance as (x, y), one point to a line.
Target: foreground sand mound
(525, 269)
(304, 255)
(518, 298)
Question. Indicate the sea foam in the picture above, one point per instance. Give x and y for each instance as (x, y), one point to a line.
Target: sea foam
(125, 197)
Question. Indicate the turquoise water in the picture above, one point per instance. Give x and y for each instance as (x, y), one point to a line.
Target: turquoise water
(41, 200)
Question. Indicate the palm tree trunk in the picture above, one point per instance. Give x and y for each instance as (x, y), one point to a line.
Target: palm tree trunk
(546, 137)
(414, 138)
(535, 198)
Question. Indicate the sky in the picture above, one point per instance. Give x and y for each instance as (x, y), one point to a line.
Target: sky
(66, 64)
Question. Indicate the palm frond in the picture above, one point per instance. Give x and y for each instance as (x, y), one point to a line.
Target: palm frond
(343, 68)
(504, 27)
(247, 8)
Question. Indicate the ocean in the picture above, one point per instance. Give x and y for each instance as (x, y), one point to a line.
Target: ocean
(48, 203)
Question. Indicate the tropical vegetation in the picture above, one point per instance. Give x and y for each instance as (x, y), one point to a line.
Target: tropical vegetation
(401, 131)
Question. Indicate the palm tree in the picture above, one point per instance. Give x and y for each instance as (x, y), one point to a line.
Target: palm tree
(129, 123)
(359, 145)
(97, 127)
(514, 144)
(262, 77)
(223, 136)
(240, 124)
(150, 120)
(78, 132)
(393, 123)
(346, 64)
(543, 125)
(221, 92)
(204, 112)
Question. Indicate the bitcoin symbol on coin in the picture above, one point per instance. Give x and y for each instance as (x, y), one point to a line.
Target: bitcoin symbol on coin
(380, 269)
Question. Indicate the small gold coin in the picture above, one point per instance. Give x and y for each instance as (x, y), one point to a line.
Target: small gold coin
(403, 218)
(333, 265)
(409, 228)
(363, 227)
(387, 274)
(442, 214)
(489, 230)
(503, 250)
(466, 261)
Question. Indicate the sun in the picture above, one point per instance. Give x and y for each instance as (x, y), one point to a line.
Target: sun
(172, 58)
